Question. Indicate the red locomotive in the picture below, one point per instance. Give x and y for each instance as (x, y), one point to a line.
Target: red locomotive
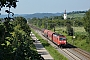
(58, 39)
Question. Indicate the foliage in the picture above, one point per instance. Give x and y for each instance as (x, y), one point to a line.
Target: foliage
(69, 28)
(15, 42)
(86, 21)
(76, 12)
(69, 31)
(8, 3)
(48, 23)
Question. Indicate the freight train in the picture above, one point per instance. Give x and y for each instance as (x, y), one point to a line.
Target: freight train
(58, 39)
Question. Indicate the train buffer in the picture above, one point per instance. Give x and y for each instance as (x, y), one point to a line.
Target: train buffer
(40, 49)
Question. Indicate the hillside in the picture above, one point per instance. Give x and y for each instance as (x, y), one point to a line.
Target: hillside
(37, 15)
(41, 15)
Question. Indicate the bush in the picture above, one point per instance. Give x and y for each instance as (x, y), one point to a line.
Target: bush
(80, 36)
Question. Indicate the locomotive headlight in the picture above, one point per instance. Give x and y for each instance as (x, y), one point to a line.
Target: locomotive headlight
(60, 41)
(64, 41)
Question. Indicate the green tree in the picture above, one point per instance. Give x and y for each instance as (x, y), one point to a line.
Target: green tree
(86, 22)
(15, 40)
(69, 28)
(8, 3)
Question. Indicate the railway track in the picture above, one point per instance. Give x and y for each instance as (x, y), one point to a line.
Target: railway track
(84, 53)
(66, 51)
(70, 53)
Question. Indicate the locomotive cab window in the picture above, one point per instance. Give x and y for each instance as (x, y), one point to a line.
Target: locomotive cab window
(62, 38)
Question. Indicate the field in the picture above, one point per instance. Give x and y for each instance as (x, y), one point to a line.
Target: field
(76, 15)
(78, 41)
(76, 29)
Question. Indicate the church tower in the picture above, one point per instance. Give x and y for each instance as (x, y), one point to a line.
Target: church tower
(65, 15)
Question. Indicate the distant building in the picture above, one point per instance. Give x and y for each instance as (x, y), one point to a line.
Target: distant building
(65, 15)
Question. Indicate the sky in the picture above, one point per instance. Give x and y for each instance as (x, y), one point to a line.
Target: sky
(48, 6)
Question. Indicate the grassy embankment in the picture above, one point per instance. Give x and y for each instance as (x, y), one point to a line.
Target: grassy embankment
(53, 52)
(78, 41)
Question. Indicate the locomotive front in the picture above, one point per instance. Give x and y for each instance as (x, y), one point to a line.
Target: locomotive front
(62, 40)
